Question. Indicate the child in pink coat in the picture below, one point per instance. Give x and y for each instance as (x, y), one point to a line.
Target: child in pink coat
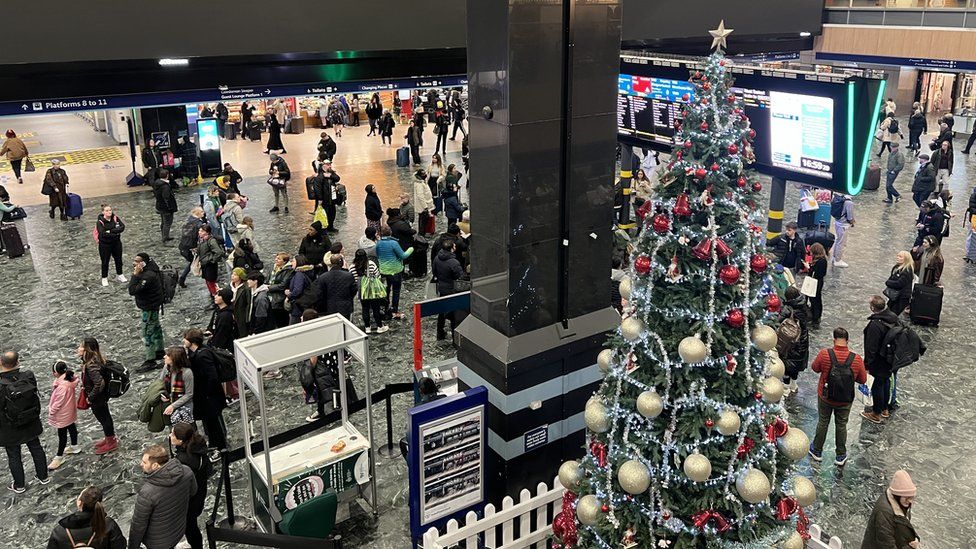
(62, 411)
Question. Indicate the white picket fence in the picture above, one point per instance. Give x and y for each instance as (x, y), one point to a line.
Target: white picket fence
(528, 524)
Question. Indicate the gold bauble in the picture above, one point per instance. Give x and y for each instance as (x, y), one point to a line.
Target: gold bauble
(570, 475)
(692, 350)
(753, 486)
(795, 541)
(697, 467)
(775, 366)
(632, 328)
(728, 423)
(650, 404)
(794, 444)
(804, 492)
(626, 286)
(772, 390)
(596, 417)
(588, 510)
(764, 338)
(604, 359)
(634, 477)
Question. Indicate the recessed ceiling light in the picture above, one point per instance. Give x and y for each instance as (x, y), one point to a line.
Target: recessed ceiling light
(171, 62)
(804, 34)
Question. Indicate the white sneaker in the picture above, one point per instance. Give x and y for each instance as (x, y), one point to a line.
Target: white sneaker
(183, 545)
(55, 463)
(121, 278)
(383, 328)
(312, 418)
(104, 282)
(72, 450)
(841, 264)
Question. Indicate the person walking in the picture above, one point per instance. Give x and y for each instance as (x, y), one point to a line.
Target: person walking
(190, 449)
(929, 261)
(108, 232)
(373, 208)
(924, 183)
(365, 268)
(274, 135)
(177, 377)
(162, 502)
(62, 412)
(386, 125)
(164, 190)
(839, 368)
(969, 221)
(94, 383)
(89, 526)
(146, 287)
(842, 210)
(247, 120)
(16, 152)
(20, 421)
(896, 162)
(970, 142)
(278, 281)
(208, 395)
(898, 287)
(890, 132)
(942, 160)
(881, 320)
(374, 109)
(56, 188)
(788, 247)
(391, 257)
(447, 271)
(890, 524)
(279, 175)
(327, 146)
(190, 240)
(797, 358)
(818, 270)
(414, 137)
(211, 253)
(917, 125)
(458, 114)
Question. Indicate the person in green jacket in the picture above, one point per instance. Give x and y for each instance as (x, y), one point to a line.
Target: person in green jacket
(391, 257)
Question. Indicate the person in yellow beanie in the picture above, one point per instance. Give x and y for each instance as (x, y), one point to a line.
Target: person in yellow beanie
(890, 525)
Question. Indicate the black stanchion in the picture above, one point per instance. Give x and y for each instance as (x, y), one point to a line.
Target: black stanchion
(389, 450)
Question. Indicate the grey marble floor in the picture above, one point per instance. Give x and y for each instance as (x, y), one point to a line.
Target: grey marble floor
(52, 298)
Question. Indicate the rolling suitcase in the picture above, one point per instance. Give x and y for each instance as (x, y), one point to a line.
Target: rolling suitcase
(926, 306)
(230, 131)
(11, 240)
(873, 180)
(821, 235)
(254, 133)
(74, 209)
(822, 216)
(403, 157)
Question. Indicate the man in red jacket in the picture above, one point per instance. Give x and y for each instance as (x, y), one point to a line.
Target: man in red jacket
(840, 356)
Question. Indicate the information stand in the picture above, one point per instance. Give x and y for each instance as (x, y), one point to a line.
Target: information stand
(339, 458)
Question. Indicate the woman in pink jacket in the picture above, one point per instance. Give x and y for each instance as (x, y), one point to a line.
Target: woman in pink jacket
(62, 412)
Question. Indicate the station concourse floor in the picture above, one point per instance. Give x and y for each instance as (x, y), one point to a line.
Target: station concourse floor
(52, 298)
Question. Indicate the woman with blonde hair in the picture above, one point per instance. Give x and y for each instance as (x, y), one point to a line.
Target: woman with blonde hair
(898, 287)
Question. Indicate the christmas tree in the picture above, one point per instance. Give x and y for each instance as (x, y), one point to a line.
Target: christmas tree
(687, 446)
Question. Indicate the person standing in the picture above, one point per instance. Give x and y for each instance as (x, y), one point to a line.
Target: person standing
(839, 368)
(89, 525)
(223, 114)
(274, 135)
(924, 183)
(414, 140)
(247, 114)
(241, 301)
(386, 125)
(208, 395)
(146, 287)
(56, 182)
(94, 383)
(211, 253)
(162, 502)
(152, 159)
(190, 449)
(818, 270)
(447, 271)
(62, 412)
(362, 268)
(373, 208)
(942, 160)
(424, 200)
(278, 281)
(436, 176)
(843, 215)
(391, 257)
(314, 244)
(917, 125)
(931, 222)
(336, 289)
(452, 205)
(16, 152)
(177, 377)
(969, 221)
(442, 125)
(929, 261)
(898, 287)
(190, 240)
(164, 190)
(788, 247)
(20, 421)
(327, 180)
(890, 524)
(298, 286)
(881, 320)
(896, 162)
(969, 143)
(223, 330)
(374, 109)
(280, 174)
(796, 360)
(260, 313)
(109, 229)
(327, 146)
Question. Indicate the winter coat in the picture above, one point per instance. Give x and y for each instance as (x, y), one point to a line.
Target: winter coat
(889, 527)
(422, 197)
(79, 523)
(57, 178)
(386, 125)
(798, 357)
(182, 398)
(152, 406)
(210, 251)
(460, 247)
(452, 206)
(260, 311)
(328, 146)
(14, 148)
(109, 230)
(408, 213)
(241, 305)
(151, 158)
(93, 383)
(447, 271)
(932, 223)
(223, 328)
(936, 160)
(337, 290)
(402, 231)
(62, 409)
(874, 334)
(284, 173)
(147, 288)
(900, 280)
(374, 210)
(933, 270)
(278, 282)
(924, 180)
(232, 216)
(314, 247)
(391, 256)
(789, 251)
(887, 136)
(196, 459)
(208, 394)
(159, 515)
(300, 281)
(164, 191)
(11, 435)
(917, 125)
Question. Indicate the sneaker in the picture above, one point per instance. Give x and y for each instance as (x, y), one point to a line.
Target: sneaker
(872, 417)
(215, 456)
(233, 401)
(275, 374)
(817, 456)
(370, 330)
(45, 480)
(55, 463)
(841, 460)
(383, 329)
(121, 278)
(72, 450)
(886, 414)
(104, 282)
(313, 418)
(887, 201)
(184, 545)
(286, 209)
(841, 264)
(16, 490)
(273, 210)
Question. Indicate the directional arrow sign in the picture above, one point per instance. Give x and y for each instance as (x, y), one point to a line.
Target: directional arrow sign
(267, 92)
(24, 106)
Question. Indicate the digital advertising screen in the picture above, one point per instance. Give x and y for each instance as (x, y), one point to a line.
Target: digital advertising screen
(810, 128)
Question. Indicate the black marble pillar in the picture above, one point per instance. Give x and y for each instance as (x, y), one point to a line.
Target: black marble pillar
(542, 85)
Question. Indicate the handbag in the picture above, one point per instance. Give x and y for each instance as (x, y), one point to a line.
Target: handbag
(808, 202)
(29, 165)
(276, 182)
(181, 415)
(195, 266)
(891, 293)
(46, 188)
(371, 287)
(83, 401)
(15, 214)
(809, 287)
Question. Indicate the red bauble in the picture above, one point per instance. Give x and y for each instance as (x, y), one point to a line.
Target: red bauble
(758, 263)
(752, 133)
(700, 173)
(722, 63)
(756, 187)
(774, 303)
(698, 74)
(685, 97)
(743, 116)
(681, 207)
(729, 274)
(735, 318)
(731, 99)
(642, 265)
(661, 223)
(709, 423)
(733, 149)
(679, 154)
(703, 250)
(706, 86)
(605, 508)
(757, 396)
(714, 167)
(644, 210)
(703, 127)
(688, 144)
(722, 249)
(741, 182)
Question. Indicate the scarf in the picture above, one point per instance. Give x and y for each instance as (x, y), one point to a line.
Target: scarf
(175, 385)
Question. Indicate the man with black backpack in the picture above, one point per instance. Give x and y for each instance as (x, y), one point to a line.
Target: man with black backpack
(839, 369)
(20, 421)
(146, 286)
(881, 320)
(208, 394)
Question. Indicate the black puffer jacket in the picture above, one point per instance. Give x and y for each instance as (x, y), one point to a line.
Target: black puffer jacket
(164, 191)
(314, 247)
(402, 231)
(208, 394)
(900, 280)
(147, 287)
(277, 284)
(874, 334)
(109, 230)
(337, 292)
(11, 435)
(789, 252)
(159, 516)
(799, 356)
(447, 271)
(81, 531)
(195, 457)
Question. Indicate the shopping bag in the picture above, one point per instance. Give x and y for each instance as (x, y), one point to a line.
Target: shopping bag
(809, 287)
(195, 266)
(29, 165)
(863, 392)
(321, 217)
(808, 202)
(372, 287)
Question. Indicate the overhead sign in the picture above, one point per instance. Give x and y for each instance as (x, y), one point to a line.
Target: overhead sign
(222, 93)
(944, 64)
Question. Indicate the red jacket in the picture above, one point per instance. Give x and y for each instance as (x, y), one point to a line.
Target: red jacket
(821, 365)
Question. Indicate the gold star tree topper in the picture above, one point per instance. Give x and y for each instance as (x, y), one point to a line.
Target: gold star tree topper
(719, 35)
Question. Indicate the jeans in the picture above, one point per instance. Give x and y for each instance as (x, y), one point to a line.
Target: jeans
(841, 228)
(441, 144)
(941, 178)
(372, 126)
(374, 306)
(282, 193)
(15, 166)
(893, 403)
(890, 184)
(16, 462)
(186, 272)
(165, 224)
(879, 393)
(969, 144)
(393, 284)
(918, 198)
(110, 250)
(63, 433)
(152, 334)
(216, 430)
(104, 417)
(458, 126)
(841, 414)
(415, 154)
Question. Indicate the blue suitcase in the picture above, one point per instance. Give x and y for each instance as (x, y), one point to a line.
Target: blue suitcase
(75, 208)
(403, 157)
(823, 216)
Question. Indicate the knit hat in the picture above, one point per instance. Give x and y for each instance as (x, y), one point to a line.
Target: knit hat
(240, 272)
(226, 295)
(902, 485)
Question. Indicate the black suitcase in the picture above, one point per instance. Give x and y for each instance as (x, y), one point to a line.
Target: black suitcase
(230, 131)
(873, 180)
(926, 306)
(819, 234)
(11, 240)
(254, 133)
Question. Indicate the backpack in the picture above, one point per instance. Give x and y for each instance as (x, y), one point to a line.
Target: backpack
(116, 378)
(893, 126)
(340, 192)
(80, 544)
(21, 404)
(787, 335)
(901, 346)
(170, 279)
(839, 386)
(837, 206)
(225, 364)
(310, 296)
